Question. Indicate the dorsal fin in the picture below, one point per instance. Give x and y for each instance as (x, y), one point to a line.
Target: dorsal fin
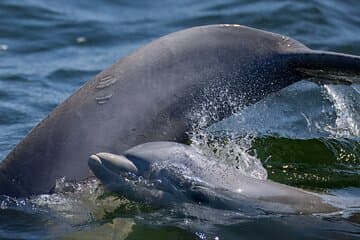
(326, 67)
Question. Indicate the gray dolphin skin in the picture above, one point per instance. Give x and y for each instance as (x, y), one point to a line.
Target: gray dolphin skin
(157, 93)
(167, 173)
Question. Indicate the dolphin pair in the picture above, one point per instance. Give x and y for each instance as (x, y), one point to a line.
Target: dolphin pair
(158, 93)
(166, 173)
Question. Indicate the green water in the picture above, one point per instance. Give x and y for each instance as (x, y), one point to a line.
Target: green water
(312, 164)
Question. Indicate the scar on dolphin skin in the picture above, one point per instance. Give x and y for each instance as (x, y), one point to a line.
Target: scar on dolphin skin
(103, 99)
(106, 81)
(186, 70)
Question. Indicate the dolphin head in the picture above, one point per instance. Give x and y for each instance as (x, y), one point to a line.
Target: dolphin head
(134, 176)
(151, 173)
(126, 177)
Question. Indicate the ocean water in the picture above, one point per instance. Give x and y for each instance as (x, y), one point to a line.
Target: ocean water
(306, 135)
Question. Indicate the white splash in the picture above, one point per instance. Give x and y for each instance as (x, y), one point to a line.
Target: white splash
(346, 103)
(234, 151)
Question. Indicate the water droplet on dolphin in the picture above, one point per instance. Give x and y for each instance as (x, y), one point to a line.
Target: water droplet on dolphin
(239, 190)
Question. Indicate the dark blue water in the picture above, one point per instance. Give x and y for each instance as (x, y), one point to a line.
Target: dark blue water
(48, 49)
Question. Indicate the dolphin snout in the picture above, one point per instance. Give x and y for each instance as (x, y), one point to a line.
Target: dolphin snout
(94, 162)
(95, 159)
(113, 162)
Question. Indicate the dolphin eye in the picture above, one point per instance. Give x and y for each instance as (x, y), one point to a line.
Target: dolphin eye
(199, 195)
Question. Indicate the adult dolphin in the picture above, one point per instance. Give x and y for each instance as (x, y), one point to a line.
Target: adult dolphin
(167, 174)
(157, 93)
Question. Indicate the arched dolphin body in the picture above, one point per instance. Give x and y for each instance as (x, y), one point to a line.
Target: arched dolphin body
(167, 173)
(156, 94)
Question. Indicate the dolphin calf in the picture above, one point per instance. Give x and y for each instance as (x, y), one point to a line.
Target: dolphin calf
(159, 93)
(167, 173)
